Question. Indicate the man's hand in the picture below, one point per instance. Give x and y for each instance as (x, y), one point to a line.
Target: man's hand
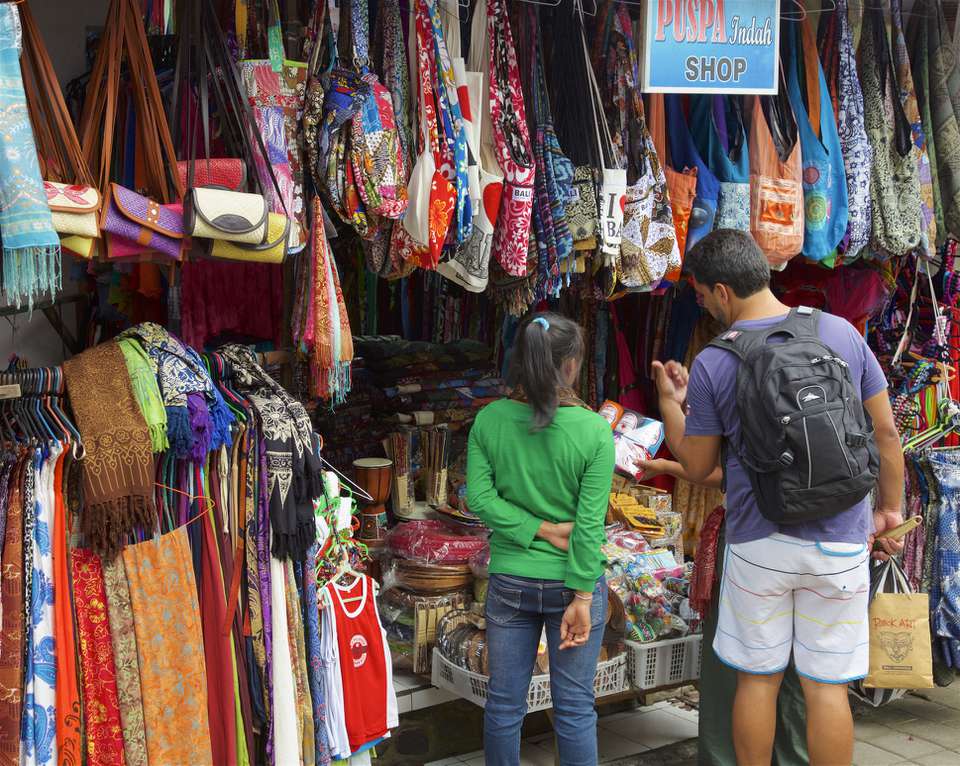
(671, 379)
(885, 520)
(558, 535)
(575, 626)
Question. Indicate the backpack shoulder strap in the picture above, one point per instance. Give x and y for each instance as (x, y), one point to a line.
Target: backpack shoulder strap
(800, 322)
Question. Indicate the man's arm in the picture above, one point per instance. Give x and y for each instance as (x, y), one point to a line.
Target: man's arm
(698, 454)
(659, 466)
(889, 509)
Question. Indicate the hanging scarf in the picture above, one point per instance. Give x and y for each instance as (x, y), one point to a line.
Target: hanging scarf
(12, 611)
(124, 642)
(100, 702)
(118, 466)
(293, 468)
(166, 616)
(180, 372)
(39, 745)
(31, 248)
(333, 340)
(146, 392)
(705, 563)
(512, 138)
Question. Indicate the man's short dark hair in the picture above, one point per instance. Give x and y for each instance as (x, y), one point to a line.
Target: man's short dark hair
(729, 257)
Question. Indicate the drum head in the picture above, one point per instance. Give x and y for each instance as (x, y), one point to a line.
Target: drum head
(372, 462)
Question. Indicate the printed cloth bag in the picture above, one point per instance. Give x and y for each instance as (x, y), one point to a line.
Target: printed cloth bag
(824, 181)
(732, 167)
(934, 66)
(776, 195)
(512, 138)
(854, 143)
(379, 165)
(929, 235)
(277, 99)
(894, 182)
(681, 185)
(582, 212)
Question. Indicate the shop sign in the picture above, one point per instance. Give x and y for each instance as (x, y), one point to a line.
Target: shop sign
(711, 46)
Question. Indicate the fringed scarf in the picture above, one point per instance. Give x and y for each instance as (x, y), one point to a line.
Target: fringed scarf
(146, 392)
(118, 466)
(293, 466)
(31, 248)
(332, 338)
(705, 563)
(180, 372)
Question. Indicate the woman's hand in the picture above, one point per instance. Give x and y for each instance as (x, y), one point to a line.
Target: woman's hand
(558, 535)
(653, 467)
(575, 626)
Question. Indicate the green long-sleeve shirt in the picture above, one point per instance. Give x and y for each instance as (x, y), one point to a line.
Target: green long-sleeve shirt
(517, 479)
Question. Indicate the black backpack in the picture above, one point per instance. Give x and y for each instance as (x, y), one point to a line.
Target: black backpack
(806, 441)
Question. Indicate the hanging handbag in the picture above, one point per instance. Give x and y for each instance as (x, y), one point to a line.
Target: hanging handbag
(776, 194)
(681, 185)
(135, 225)
(74, 208)
(512, 137)
(213, 213)
(375, 151)
(895, 182)
(824, 179)
(470, 265)
(228, 174)
(273, 249)
(930, 232)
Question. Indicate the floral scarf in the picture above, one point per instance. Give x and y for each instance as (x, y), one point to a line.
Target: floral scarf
(31, 248)
(101, 704)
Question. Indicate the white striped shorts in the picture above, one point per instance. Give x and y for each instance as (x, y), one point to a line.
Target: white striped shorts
(781, 594)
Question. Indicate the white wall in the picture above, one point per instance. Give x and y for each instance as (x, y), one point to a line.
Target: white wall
(63, 25)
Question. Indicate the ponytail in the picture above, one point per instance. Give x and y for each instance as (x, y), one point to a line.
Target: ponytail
(544, 344)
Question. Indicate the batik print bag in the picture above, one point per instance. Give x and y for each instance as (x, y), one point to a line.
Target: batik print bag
(732, 167)
(895, 182)
(379, 166)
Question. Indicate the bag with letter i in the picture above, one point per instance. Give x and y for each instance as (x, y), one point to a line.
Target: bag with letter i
(900, 654)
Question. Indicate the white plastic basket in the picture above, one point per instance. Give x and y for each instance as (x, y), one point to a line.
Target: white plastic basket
(611, 678)
(664, 663)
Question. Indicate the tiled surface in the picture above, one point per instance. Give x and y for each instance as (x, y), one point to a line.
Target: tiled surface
(618, 736)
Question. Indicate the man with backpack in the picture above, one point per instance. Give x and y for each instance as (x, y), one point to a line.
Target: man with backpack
(792, 404)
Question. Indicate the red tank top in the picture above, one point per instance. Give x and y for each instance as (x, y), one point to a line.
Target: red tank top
(363, 662)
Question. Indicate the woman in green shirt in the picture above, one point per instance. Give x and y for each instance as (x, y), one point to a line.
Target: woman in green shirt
(539, 470)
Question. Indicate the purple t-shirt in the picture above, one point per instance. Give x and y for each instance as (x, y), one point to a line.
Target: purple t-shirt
(712, 401)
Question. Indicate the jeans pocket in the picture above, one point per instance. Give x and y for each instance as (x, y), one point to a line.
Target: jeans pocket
(502, 603)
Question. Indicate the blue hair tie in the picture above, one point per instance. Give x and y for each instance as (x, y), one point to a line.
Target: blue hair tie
(542, 322)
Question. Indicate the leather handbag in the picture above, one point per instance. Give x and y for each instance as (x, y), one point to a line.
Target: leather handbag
(135, 225)
(273, 250)
(215, 213)
(231, 174)
(74, 208)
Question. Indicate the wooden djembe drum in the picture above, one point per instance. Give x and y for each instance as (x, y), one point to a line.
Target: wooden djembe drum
(375, 476)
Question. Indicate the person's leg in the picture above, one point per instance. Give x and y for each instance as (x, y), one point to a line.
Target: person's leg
(829, 723)
(754, 637)
(790, 743)
(755, 717)
(718, 686)
(572, 673)
(514, 625)
(831, 644)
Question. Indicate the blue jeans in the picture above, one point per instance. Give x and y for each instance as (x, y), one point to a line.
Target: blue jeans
(518, 608)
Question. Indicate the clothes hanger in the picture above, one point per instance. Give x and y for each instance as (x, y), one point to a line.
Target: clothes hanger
(357, 488)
